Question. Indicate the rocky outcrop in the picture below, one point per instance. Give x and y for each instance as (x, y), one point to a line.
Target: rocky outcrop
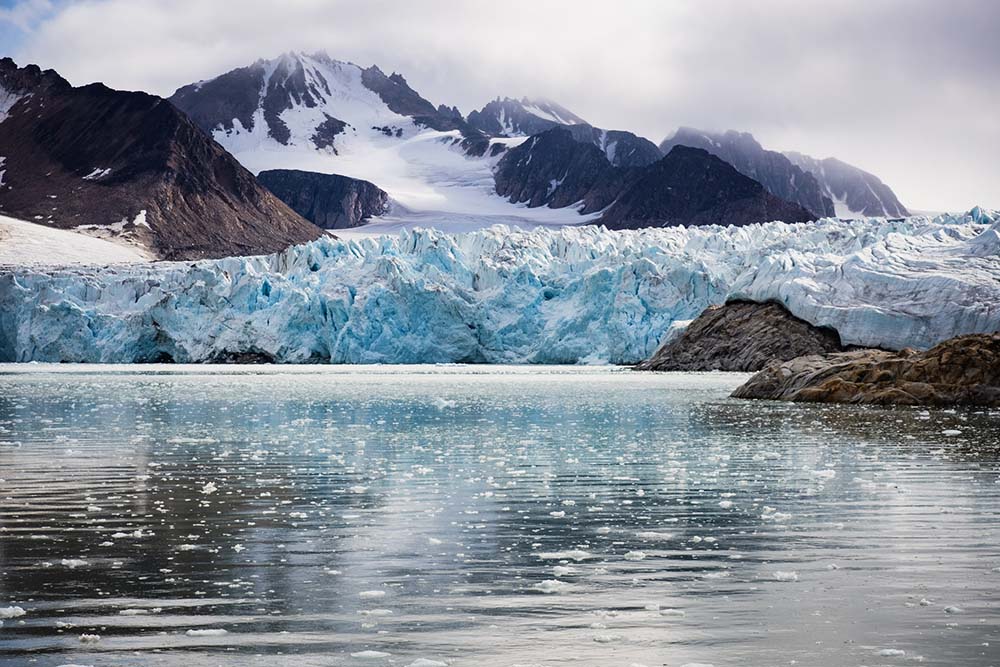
(741, 336)
(130, 164)
(960, 371)
(774, 171)
(327, 200)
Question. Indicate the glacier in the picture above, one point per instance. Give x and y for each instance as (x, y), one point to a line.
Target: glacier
(505, 295)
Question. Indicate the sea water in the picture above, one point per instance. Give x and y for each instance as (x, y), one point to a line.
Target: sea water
(485, 515)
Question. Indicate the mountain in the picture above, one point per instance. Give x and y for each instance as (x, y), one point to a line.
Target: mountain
(693, 187)
(328, 200)
(854, 191)
(826, 187)
(773, 170)
(129, 165)
(309, 112)
(553, 169)
(521, 118)
(688, 186)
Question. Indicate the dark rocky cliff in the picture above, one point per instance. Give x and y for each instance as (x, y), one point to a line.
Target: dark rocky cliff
(327, 200)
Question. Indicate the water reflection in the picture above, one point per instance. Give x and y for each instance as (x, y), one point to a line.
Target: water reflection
(485, 516)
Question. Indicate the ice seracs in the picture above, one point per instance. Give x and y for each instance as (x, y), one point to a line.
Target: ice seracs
(569, 295)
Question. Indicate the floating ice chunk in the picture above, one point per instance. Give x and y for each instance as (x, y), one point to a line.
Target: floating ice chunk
(425, 662)
(573, 554)
(652, 535)
(786, 575)
(11, 612)
(89, 639)
(826, 473)
(952, 610)
(607, 638)
(563, 570)
(558, 515)
(134, 612)
(370, 655)
(207, 632)
(552, 586)
(443, 403)
(951, 432)
(209, 488)
(892, 653)
(375, 612)
(672, 612)
(357, 489)
(73, 563)
(725, 504)
(634, 555)
(370, 595)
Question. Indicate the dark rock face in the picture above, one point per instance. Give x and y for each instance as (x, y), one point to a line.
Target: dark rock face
(398, 96)
(328, 200)
(688, 186)
(96, 156)
(553, 169)
(862, 192)
(327, 131)
(742, 336)
(623, 149)
(769, 168)
(508, 117)
(961, 371)
(691, 187)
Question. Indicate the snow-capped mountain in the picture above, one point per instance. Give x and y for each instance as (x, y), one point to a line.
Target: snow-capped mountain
(129, 166)
(826, 187)
(310, 112)
(854, 192)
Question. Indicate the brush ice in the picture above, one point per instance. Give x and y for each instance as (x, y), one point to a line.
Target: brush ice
(501, 295)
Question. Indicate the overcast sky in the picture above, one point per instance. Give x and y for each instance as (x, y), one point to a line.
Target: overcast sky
(907, 89)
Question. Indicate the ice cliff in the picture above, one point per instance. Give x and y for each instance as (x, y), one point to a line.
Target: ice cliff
(568, 295)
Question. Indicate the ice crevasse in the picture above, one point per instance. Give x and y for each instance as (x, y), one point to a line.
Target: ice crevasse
(502, 295)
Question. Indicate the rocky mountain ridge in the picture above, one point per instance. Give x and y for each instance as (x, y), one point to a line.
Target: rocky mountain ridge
(130, 165)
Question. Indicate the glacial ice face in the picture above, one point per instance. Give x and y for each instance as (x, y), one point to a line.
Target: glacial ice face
(569, 295)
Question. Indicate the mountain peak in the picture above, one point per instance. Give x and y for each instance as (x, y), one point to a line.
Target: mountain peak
(522, 117)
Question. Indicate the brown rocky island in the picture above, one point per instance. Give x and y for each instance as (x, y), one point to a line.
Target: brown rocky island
(964, 370)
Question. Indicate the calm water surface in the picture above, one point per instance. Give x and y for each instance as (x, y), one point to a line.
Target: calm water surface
(204, 516)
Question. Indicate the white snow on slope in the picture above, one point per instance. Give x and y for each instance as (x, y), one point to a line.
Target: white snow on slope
(569, 295)
(7, 101)
(26, 244)
(424, 171)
